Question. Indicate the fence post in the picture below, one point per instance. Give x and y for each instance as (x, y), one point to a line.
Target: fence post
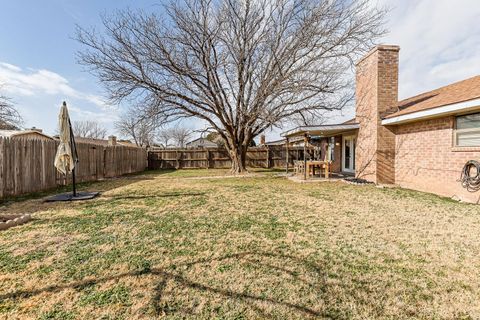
(286, 147)
(208, 158)
(177, 166)
(268, 157)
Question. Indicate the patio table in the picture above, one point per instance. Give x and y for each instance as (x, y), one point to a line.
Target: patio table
(317, 163)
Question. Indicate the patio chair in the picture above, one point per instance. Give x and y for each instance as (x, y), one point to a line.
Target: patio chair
(299, 167)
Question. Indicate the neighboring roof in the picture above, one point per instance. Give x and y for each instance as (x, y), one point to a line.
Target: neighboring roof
(126, 143)
(351, 121)
(327, 129)
(102, 142)
(275, 142)
(461, 91)
(204, 141)
(282, 141)
(16, 133)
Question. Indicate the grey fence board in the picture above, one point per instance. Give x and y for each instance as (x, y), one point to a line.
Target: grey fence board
(260, 157)
(26, 165)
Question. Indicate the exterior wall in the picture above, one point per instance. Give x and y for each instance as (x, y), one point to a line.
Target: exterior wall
(376, 93)
(426, 160)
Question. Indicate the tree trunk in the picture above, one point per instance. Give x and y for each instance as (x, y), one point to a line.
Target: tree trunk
(238, 155)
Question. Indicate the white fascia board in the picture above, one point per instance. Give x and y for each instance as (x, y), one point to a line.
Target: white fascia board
(435, 112)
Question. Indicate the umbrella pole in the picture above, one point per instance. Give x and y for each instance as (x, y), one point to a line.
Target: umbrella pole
(73, 183)
(75, 154)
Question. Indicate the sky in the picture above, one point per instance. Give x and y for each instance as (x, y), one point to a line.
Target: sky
(439, 41)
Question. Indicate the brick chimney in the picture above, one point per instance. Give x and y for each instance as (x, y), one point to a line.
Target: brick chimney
(112, 140)
(376, 95)
(36, 129)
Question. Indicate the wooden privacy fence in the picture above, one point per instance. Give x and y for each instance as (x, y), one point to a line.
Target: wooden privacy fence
(259, 157)
(26, 165)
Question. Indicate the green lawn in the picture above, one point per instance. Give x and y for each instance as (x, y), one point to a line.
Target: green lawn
(188, 244)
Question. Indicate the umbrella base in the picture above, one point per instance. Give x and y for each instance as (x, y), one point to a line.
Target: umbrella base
(70, 197)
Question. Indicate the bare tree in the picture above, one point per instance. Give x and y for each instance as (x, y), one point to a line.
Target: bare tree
(10, 118)
(181, 135)
(165, 138)
(240, 65)
(174, 136)
(89, 129)
(137, 126)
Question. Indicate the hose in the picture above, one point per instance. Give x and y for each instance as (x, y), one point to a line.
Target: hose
(471, 182)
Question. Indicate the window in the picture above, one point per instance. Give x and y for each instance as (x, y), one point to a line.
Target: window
(467, 130)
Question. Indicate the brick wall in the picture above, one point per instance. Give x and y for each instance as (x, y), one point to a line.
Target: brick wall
(376, 94)
(337, 154)
(427, 161)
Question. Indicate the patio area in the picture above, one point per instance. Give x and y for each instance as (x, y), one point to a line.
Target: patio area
(328, 150)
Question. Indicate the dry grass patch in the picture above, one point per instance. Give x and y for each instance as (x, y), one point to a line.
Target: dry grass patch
(164, 245)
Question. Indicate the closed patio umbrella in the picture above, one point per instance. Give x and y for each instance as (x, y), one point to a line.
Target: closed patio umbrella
(66, 158)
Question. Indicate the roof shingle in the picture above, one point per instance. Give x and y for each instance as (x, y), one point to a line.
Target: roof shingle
(464, 90)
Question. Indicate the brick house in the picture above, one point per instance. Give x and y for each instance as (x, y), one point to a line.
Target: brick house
(419, 143)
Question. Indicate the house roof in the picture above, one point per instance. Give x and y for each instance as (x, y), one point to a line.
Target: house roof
(282, 141)
(206, 142)
(102, 142)
(351, 121)
(126, 143)
(461, 91)
(275, 142)
(16, 133)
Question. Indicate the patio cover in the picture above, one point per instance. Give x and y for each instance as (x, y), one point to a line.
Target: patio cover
(326, 130)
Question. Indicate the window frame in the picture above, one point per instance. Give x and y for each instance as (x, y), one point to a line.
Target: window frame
(456, 131)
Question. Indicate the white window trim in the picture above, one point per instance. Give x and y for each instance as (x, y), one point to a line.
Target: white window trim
(351, 170)
(457, 131)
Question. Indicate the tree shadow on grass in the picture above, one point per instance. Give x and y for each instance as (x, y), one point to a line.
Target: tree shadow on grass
(148, 196)
(165, 276)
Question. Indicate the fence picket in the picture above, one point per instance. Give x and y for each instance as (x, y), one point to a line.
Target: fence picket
(26, 165)
(260, 157)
